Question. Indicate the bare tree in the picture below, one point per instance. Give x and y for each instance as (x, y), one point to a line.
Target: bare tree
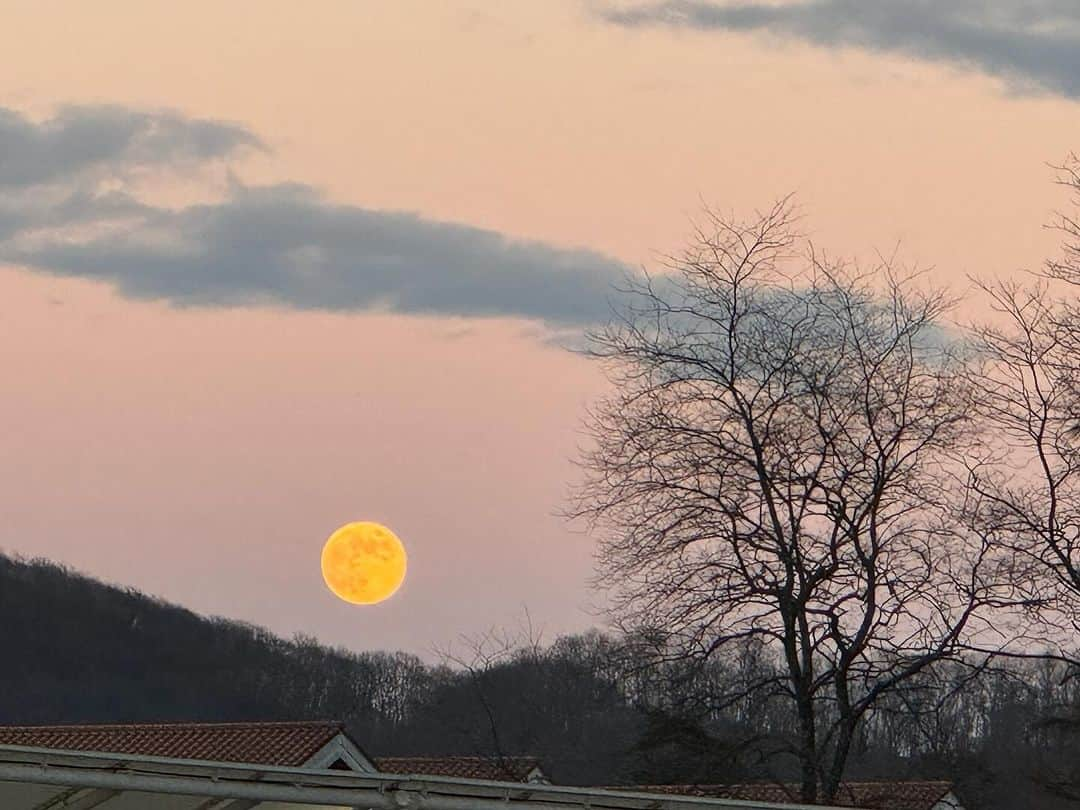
(1025, 480)
(777, 462)
(1067, 267)
(485, 654)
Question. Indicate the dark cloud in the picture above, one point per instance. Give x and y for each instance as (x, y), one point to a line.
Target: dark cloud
(1032, 44)
(286, 246)
(86, 139)
(282, 245)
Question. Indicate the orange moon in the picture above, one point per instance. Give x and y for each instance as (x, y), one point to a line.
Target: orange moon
(363, 563)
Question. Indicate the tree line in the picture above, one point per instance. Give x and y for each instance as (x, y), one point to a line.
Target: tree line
(597, 708)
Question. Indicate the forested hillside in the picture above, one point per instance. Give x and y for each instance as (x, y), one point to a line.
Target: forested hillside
(77, 650)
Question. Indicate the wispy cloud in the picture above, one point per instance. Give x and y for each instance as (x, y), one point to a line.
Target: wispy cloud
(1034, 45)
(61, 212)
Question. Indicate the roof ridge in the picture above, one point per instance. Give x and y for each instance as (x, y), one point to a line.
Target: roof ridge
(896, 782)
(785, 784)
(176, 725)
(907, 793)
(469, 757)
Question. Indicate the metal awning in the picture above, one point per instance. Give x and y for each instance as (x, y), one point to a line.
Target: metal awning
(47, 779)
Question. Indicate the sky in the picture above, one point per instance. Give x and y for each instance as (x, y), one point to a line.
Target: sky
(270, 267)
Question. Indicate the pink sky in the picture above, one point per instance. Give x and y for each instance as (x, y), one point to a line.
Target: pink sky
(204, 454)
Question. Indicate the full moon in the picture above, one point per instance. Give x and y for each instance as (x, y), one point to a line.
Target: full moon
(363, 563)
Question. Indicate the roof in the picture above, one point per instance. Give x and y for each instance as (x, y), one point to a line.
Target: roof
(288, 744)
(285, 744)
(493, 769)
(915, 795)
(34, 778)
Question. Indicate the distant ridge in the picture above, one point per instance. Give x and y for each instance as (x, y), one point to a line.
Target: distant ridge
(76, 650)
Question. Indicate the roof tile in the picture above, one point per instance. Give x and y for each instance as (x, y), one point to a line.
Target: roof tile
(495, 769)
(914, 795)
(286, 744)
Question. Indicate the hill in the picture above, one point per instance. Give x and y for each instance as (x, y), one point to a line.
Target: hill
(78, 650)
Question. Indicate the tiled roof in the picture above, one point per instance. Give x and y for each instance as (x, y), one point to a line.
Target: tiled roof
(495, 769)
(867, 795)
(283, 744)
(287, 744)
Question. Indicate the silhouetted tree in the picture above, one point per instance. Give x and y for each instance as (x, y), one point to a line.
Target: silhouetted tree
(1026, 480)
(777, 463)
